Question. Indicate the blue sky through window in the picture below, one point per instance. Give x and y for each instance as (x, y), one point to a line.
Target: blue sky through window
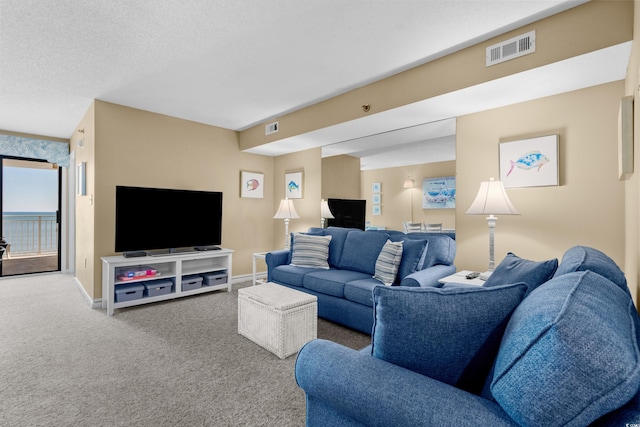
(29, 190)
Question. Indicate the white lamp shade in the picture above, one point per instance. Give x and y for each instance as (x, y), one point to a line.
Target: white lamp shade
(325, 212)
(492, 199)
(408, 183)
(286, 210)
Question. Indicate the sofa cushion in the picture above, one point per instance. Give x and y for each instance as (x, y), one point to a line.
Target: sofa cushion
(338, 237)
(450, 334)
(361, 291)
(331, 282)
(388, 262)
(361, 251)
(583, 258)
(441, 251)
(310, 251)
(413, 254)
(514, 269)
(569, 354)
(290, 274)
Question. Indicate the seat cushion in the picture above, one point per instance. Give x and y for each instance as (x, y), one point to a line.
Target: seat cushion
(451, 334)
(569, 354)
(310, 251)
(583, 258)
(388, 262)
(331, 282)
(291, 275)
(514, 269)
(361, 250)
(361, 291)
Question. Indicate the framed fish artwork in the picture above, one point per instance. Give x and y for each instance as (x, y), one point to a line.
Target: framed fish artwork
(529, 162)
(251, 185)
(293, 184)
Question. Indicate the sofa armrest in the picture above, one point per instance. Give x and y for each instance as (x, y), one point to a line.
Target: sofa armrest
(346, 383)
(274, 259)
(429, 276)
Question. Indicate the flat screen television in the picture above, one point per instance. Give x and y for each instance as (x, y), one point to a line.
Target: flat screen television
(167, 219)
(348, 213)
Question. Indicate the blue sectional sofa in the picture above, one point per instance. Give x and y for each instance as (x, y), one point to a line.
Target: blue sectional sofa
(542, 345)
(344, 290)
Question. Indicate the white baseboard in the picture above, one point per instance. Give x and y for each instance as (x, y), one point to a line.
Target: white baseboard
(93, 303)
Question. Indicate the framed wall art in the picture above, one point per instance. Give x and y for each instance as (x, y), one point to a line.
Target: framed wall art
(531, 162)
(376, 187)
(376, 199)
(377, 210)
(293, 184)
(251, 185)
(439, 193)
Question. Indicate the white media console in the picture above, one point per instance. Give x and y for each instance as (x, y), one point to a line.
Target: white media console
(169, 267)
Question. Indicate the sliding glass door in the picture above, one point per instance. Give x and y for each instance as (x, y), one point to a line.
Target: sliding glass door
(30, 216)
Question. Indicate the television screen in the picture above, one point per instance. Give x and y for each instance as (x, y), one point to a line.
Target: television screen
(157, 218)
(348, 213)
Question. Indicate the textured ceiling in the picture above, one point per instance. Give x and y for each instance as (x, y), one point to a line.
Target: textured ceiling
(228, 63)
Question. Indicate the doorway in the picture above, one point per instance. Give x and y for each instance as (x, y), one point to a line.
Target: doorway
(30, 216)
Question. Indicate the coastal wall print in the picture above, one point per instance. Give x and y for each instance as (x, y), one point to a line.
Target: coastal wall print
(293, 184)
(529, 162)
(251, 185)
(439, 193)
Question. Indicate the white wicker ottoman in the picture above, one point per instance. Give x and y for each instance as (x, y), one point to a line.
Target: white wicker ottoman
(277, 318)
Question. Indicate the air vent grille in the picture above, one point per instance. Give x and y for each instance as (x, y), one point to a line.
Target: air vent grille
(512, 48)
(271, 128)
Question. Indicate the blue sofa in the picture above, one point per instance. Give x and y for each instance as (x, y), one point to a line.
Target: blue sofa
(558, 348)
(344, 290)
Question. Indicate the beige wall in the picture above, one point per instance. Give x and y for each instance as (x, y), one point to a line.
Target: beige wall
(396, 201)
(587, 208)
(86, 260)
(585, 28)
(341, 177)
(308, 207)
(632, 184)
(134, 147)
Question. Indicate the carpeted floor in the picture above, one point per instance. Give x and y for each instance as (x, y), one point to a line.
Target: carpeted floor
(175, 363)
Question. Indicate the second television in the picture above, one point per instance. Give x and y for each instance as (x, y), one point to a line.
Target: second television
(348, 213)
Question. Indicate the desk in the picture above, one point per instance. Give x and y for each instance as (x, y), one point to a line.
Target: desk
(256, 257)
(460, 279)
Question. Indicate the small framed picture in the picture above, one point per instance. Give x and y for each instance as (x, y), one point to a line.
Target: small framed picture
(377, 210)
(293, 184)
(376, 187)
(251, 185)
(529, 162)
(376, 199)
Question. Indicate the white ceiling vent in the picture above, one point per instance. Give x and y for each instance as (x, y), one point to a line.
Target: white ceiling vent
(271, 128)
(512, 48)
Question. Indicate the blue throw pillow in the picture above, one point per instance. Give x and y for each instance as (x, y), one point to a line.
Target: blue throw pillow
(451, 335)
(514, 269)
(583, 258)
(569, 354)
(413, 254)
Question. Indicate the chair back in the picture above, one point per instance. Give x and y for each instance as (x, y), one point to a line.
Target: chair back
(432, 227)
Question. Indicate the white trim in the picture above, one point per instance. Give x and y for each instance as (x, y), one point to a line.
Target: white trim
(93, 303)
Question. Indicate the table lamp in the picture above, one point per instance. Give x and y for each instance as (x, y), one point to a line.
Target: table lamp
(286, 211)
(492, 200)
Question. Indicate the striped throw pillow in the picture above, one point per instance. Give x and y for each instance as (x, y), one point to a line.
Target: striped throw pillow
(388, 262)
(310, 251)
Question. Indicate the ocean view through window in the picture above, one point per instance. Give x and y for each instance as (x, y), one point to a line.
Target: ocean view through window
(30, 216)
